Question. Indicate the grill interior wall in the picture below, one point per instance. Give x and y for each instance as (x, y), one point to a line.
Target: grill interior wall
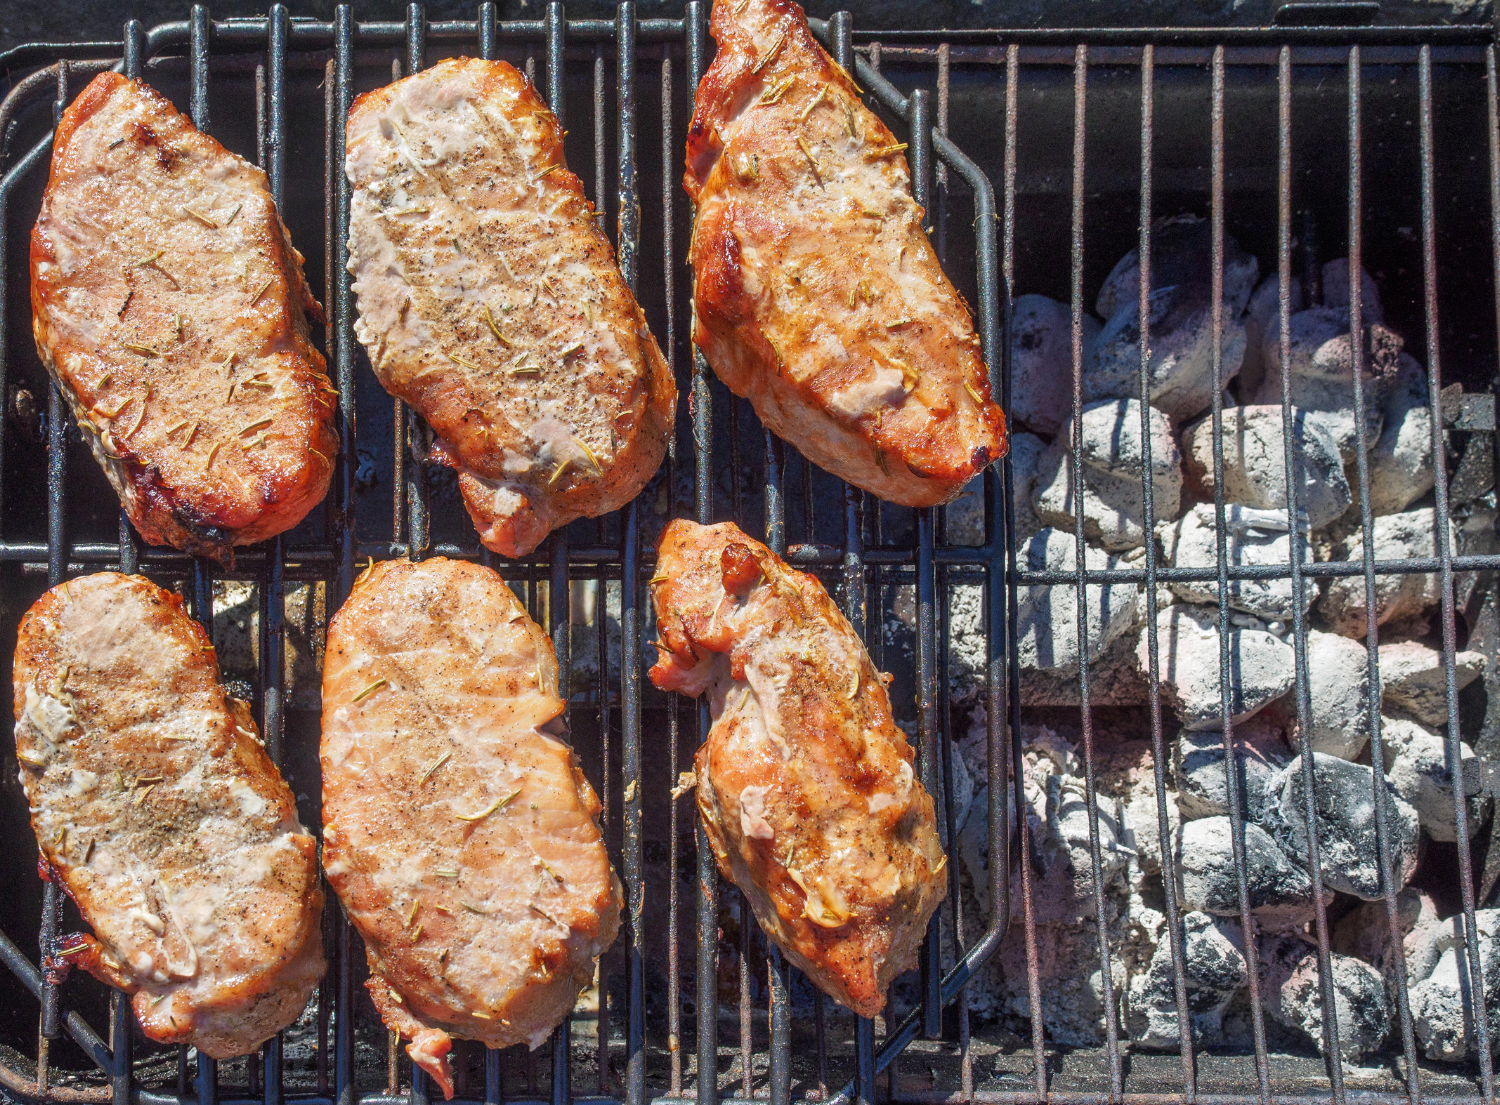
(745, 465)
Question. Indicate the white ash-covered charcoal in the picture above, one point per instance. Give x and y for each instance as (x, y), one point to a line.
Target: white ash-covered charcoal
(1345, 804)
(1400, 461)
(1401, 599)
(1414, 681)
(1181, 374)
(1047, 620)
(1438, 981)
(1214, 971)
(1253, 537)
(1255, 463)
(1260, 751)
(1181, 253)
(1261, 313)
(1365, 931)
(1338, 684)
(1281, 894)
(1321, 373)
(1113, 460)
(1262, 664)
(1416, 765)
(1290, 993)
(1041, 361)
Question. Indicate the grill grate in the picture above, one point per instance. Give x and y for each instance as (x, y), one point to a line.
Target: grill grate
(871, 555)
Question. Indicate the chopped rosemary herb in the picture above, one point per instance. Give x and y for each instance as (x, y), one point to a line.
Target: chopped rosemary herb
(812, 104)
(254, 299)
(211, 454)
(202, 218)
(143, 350)
(973, 394)
(777, 90)
(456, 359)
(371, 689)
(811, 160)
(157, 256)
(770, 54)
(472, 908)
(256, 425)
(498, 804)
(445, 873)
(437, 763)
(499, 337)
(885, 151)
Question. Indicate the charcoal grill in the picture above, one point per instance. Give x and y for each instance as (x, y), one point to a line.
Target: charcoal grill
(1056, 198)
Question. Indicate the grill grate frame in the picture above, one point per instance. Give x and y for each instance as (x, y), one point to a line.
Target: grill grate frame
(865, 560)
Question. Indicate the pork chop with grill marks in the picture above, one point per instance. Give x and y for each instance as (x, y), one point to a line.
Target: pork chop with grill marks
(805, 785)
(157, 809)
(818, 295)
(489, 300)
(457, 829)
(169, 306)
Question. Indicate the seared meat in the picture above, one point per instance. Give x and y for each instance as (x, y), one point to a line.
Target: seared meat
(457, 829)
(805, 785)
(168, 304)
(819, 298)
(490, 301)
(159, 812)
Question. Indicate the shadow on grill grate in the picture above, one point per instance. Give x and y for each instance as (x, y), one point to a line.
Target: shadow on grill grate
(1095, 699)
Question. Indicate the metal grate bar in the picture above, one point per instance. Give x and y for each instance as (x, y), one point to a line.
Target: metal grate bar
(57, 469)
(1445, 554)
(342, 337)
(1367, 528)
(1091, 798)
(899, 551)
(1159, 755)
(1304, 707)
(920, 155)
(1221, 556)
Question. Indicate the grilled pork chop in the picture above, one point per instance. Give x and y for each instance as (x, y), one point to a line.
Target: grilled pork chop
(819, 298)
(490, 301)
(805, 785)
(457, 829)
(159, 812)
(168, 304)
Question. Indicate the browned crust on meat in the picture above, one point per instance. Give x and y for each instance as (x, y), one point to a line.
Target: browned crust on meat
(189, 509)
(770, 110)
(471, 413)
(224, 1009)
(843, 749)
